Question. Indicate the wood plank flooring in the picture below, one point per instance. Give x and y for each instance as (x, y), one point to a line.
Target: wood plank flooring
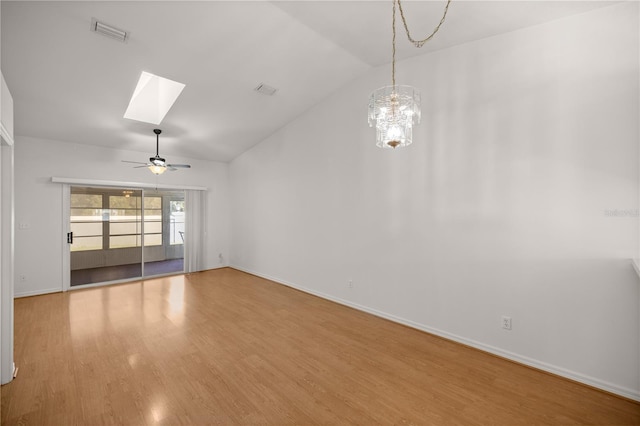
(225, 347)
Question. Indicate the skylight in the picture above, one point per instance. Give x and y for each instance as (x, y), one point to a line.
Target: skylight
(152, 98)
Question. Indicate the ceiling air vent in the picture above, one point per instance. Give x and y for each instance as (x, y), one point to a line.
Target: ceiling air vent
(108, 30)
(265, 89)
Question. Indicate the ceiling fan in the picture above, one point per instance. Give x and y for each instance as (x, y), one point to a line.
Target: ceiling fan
(157, 164)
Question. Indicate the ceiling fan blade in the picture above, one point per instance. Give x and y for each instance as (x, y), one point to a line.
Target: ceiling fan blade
(179, 166)
(133, 162)
(173, 169)
(141, 167)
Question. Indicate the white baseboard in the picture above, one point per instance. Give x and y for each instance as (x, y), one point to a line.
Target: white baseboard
(37, 292)
(540, 365)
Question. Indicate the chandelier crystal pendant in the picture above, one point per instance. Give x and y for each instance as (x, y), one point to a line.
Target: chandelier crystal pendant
(395, 109)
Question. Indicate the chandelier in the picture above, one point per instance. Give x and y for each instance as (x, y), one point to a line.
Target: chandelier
(395, 109)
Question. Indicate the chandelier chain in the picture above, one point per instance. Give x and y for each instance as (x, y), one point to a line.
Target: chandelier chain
(416, 43)
(393, 51)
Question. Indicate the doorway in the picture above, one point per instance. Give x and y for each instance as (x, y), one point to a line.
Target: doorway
(122, 234)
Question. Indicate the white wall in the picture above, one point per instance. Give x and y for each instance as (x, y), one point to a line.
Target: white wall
(39, 202)
(500, 207)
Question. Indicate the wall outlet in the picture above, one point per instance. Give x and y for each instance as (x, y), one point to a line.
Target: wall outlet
(506, 322)
(350, 283)
(23, 278)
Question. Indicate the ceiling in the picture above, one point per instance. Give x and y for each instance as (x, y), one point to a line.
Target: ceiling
(73, 85)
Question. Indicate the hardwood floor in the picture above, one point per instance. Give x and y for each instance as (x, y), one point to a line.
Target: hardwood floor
(224, 347)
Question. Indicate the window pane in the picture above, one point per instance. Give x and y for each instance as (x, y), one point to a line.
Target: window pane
(122, 202)
(86, 200)
(152, 203)
(86, 243)
(86, 214)
(121, 241)
(153, 227)
(85, 229)
(176, 233)
(121, 228)
(176, 222)
(177, 206)
(153, 214)
(124, 215)
(152, 240)
(86, 221)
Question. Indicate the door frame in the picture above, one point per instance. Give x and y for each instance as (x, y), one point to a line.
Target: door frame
(7, 257)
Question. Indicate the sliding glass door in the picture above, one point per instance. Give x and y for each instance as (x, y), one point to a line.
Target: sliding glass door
(163, 232)
(119, 234)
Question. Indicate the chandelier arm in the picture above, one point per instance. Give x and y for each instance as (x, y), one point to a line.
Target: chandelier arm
(418, 43)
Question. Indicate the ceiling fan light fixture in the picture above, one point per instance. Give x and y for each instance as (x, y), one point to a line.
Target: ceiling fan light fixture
(158, 165)
(157, 170)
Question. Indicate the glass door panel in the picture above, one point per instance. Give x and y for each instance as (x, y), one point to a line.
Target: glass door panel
(119, 234)
(163, 232)
(106, 226)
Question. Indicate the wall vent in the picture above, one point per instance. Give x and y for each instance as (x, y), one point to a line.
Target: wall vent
(265, 89)
(108, 30)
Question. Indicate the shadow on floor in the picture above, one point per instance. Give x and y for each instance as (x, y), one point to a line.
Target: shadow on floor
(122, 272)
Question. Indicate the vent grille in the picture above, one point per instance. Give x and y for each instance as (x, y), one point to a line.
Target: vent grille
(108, 30)
(265, 89)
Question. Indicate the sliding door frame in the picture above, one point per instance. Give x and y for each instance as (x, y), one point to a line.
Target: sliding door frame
(66, 228)
(66, 208)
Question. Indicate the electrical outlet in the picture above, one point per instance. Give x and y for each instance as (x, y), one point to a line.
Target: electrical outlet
(350, 283)
(23, 278)
(506, 322)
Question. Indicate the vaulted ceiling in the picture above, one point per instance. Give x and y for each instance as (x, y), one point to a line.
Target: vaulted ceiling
(73, 85)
